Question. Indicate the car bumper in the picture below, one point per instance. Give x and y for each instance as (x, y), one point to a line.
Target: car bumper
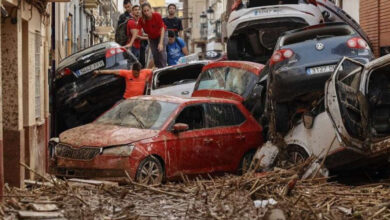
(102, 167)
(246, 18)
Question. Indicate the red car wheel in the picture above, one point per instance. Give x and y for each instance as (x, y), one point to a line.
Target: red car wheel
(150, 171)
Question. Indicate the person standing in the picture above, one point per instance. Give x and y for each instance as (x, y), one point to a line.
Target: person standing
(153, 25)
(172, 22)
(176, 48)
(127, 14)
(136, 79)
(134, 32)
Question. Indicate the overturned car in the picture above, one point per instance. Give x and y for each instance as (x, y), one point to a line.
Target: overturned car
(351, 129)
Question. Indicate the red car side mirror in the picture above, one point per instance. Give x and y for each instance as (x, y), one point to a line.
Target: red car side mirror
(180, 127)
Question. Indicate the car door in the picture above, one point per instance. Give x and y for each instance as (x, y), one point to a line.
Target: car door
(223, 121)
(346, 104)
(193, 145)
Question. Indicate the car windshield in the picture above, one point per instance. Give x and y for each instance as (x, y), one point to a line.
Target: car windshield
(138, 113)
(230, 79)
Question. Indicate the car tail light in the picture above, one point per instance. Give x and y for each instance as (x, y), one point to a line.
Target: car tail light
(357, 43)
(65, 72)
(281, 55)
(113, 51)
(313, 2)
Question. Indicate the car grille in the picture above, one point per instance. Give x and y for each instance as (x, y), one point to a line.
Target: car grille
(85, 153)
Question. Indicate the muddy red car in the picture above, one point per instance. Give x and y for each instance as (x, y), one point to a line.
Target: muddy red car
(155, 138)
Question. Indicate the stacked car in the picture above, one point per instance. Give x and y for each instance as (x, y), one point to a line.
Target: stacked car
(211, 116)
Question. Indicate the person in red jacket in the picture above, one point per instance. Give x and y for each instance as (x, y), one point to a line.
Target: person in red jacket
(153, 25)
(136, 79)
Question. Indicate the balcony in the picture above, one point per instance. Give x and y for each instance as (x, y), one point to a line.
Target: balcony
(91, 4)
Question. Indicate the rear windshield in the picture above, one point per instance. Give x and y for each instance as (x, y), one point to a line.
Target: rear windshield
(177, 76)
(91, 49)
(310, 34)
(259, 3)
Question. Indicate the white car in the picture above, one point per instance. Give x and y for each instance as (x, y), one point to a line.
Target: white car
(253, 29)
(354, 131)
(178, 80)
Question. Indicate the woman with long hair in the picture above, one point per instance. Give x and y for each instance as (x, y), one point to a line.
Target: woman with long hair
(153, 25)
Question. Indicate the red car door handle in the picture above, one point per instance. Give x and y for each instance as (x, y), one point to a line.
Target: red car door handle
(208, 140)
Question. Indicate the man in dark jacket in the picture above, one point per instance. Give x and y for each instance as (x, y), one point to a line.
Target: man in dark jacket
(127, 14)
(172, 22)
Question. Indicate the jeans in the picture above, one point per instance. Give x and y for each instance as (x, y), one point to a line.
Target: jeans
(160, 58)
(136, 52)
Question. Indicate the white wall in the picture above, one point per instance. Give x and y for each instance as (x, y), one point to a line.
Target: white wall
(352, 8)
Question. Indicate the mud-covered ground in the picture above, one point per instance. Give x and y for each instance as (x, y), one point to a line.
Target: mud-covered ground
(227, 197)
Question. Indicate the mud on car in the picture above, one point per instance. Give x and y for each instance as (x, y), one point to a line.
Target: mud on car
(154, 138)
(254, 28)
(302, 62)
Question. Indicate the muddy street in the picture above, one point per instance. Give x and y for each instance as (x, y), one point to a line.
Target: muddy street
(273, 195)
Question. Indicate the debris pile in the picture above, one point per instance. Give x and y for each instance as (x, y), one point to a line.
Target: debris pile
(277, 193)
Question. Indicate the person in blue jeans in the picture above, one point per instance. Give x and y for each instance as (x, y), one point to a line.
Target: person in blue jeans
(176, 48)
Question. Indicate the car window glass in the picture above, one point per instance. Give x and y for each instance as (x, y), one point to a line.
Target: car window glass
(177, 76)
(137, 113)
(193, 116)
(229, 79)
(223, 115)
(318, 33)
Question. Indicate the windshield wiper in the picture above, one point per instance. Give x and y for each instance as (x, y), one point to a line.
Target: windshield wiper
(137, 119)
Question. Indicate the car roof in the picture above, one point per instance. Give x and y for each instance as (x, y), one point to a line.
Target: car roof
(182, 100)
(253, 67)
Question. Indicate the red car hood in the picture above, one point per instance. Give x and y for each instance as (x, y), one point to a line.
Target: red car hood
(100, 135)
(218, 94)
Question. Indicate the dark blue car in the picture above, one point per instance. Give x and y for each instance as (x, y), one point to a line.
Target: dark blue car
(302, 62)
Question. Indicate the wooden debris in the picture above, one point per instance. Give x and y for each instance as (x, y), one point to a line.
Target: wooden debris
(40, 215)
(226, 197)
(92, 182)
(44, 207)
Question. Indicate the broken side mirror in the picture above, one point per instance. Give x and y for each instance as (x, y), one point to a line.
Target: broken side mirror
(308, 120)
(180, 127)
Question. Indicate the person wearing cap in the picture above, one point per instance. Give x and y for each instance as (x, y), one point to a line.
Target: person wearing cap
(176, 48)
(172, 22)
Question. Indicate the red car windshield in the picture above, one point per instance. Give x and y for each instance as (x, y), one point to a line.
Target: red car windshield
(230, 79)
(138, 113)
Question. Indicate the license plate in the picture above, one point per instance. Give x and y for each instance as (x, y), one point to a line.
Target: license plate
(90, 68)
(266, 11)
(321, 69)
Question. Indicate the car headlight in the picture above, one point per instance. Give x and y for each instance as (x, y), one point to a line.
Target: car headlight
(122, 150)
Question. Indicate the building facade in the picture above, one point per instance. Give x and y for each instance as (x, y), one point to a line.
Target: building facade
(375, 21)
(25, 45)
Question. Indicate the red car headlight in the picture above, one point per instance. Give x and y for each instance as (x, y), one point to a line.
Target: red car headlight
(121, 150)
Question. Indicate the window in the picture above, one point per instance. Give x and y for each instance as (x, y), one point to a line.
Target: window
(223, 115)
(229, 79)
(38, 44)
(193, 116)
(138, 113)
